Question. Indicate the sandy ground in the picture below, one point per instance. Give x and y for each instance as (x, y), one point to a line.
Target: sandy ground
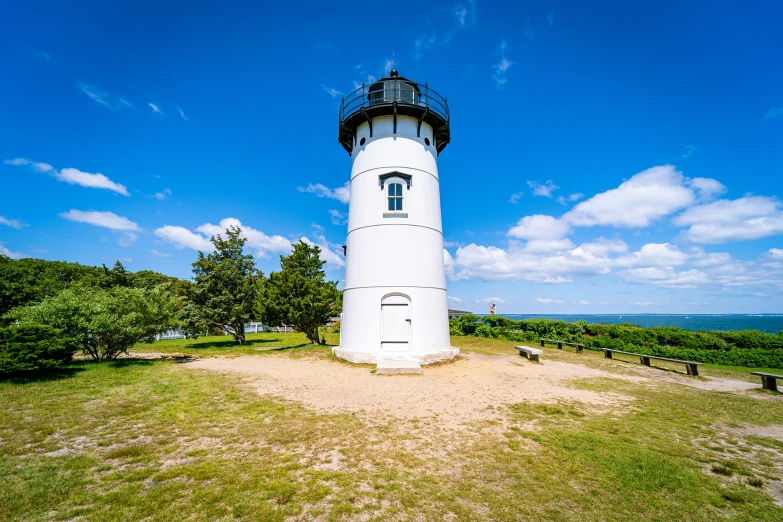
(455, 394)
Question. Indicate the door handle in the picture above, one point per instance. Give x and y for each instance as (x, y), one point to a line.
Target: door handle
(408, 320)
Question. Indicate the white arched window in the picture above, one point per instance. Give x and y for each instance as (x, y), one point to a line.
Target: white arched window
(394, 196)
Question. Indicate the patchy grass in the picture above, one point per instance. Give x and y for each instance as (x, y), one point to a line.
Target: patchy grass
(139, 439)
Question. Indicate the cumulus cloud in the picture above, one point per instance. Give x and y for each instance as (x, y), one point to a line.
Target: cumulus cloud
(341, 194)
(539, 226)
(105, 99)
(500, 68)
(666, 277)
(576, 196)
(72, 176)
(263, 244)
(776, 253)
(707, 189)
(453, 299)
(13, 223)
(726, 221)
(547, 301)
(492, 300)
(646, 197)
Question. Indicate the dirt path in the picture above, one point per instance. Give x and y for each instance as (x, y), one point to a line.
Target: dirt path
(454, 394)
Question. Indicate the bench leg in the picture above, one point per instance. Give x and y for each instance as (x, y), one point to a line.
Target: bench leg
(579, 348)
(534, 357)
(542, 343)
(692, 369)
(645, 361)
(559, 346)
(769, 383)
(608, 355)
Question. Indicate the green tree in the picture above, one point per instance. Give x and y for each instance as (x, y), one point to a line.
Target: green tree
(33, 347)
(105, 323)
(226, 284)
(299, 295)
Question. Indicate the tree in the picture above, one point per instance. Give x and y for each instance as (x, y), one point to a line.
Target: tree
(117, 276)
(33, 347)
(105, 323)
(226, 284)
(298, 295)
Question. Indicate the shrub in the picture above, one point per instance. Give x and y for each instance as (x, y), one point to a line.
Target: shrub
(33, 347)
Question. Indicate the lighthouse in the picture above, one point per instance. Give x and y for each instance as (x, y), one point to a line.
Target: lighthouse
(394, 298)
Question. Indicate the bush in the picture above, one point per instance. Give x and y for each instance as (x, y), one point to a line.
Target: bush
(748, 348)
(33, 347)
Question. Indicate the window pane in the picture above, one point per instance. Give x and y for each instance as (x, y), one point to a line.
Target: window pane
(391, 189)
(398, 189)
(399, 203)
(391, 203)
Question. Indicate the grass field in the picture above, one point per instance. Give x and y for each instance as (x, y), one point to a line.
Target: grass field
(143, 439)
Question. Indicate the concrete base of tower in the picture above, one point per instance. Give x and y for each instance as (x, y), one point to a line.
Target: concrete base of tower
(375, 357)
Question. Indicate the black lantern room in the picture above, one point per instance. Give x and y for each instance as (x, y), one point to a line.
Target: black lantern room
(393, 96)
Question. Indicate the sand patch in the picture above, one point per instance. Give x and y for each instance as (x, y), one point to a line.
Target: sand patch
(455, 394)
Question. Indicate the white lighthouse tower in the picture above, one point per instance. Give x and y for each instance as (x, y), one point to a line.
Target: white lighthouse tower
(394, 301)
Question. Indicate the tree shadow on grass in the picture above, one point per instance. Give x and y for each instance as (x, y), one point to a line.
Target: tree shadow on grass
(230, 344)
(36, 376)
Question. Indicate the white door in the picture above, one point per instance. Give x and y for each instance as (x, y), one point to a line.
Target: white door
(395, 324)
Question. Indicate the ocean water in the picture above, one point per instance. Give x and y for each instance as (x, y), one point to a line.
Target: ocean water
(770, 323)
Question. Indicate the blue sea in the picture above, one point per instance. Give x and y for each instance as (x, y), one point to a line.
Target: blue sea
(770, 323)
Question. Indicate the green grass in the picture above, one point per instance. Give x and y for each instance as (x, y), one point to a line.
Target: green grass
(152, 440)
(266, 342)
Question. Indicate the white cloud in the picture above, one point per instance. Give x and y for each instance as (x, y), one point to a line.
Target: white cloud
(181, 238)
(666, 277)
(542, 190)
(643, 303)
(725, 221)
(774, 112)
(492, 300)
(515, 197)
(453, 299)
(338, 218)
(500, 68)
(13, 223)
(576, 196)
(539, 226)
(465, 14)
(263, 244)
(654, 255)
(334, 93)
(688, 150)
(182, 113)
(105, 99)
(341, 194)
(776, 253)
(6, 252)
(452, 244)
(583, 302)
(73, 176)
(86, 179)
(159, 254)
(646, 197)
(155, 109)
(707, 188)
(547, 301)
(108, 220)
(160, 196)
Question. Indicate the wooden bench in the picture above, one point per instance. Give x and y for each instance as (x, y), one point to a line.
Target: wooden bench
(768, 380)
(691, 367)
(579, 347)
(529, 352)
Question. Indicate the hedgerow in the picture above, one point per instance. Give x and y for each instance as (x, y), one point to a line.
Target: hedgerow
(748, 348)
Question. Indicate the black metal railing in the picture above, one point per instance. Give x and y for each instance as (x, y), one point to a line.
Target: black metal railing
(389, 92)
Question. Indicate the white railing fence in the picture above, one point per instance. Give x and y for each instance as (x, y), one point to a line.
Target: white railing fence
(253, 327)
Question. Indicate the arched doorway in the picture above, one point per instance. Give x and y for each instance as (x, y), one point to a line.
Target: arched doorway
(395, 323)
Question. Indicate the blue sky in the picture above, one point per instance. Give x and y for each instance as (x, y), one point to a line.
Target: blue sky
(613, 158)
